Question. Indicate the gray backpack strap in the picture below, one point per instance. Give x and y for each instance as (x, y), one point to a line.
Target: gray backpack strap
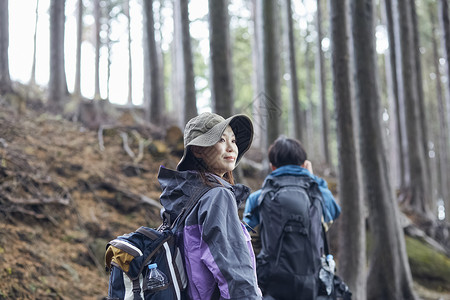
(193, 200)
(136, 289)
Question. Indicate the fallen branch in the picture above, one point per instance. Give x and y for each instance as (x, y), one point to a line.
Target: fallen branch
(100, 138)
(136, 198)
(141, 141)
(125, 145)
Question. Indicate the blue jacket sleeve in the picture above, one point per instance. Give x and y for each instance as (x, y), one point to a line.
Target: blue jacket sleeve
(251, 212)
(331, 210)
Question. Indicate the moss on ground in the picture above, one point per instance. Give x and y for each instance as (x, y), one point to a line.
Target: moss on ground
(429, 267)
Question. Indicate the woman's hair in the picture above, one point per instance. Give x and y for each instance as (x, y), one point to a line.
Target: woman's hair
(202, 168)
(285, 151)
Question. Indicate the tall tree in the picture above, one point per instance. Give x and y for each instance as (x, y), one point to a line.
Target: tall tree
(353, 237)
(445, 32)
(97, 18)
(291, 66)
(152, 97)
(309, 66)
(186, 64)
(416, 189)
(389, 273)
(57, 86)
(397, 153)
(130, 68)
(5, 79)
(443, 131)
(220, 58)
(77, 87)
(257, 78)
(271, 67)
(33, 66)
(321, 85)
(422, 108)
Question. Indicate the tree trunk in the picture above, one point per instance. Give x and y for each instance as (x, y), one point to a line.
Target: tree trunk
(389, 273)
(423, 130)
(291, 67)
(443, 145)
(130, 69)
(57, 86)
(257, 80)
(109, 61)
(177, 84)
(5, 79)
(310, 132)
(352, 224)
(186, 66)
(97, 17)
(33, 66)
(445, 31)
(321, 85)
(154, 105)
(396, 149)
(220, 58)
(160, 54)
(416, 190)
(77, 86)
(271, 69)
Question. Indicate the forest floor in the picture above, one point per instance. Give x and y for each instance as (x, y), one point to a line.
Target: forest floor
(65, 191)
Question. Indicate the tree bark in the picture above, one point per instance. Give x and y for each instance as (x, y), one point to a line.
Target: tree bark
(57, 86)
(397, 151)
(291, 67)
(416, 194)
(33, 66)
(389, 273)
(445, 31)
(422, 113)
(177, 85)
(5, 79)
(186, 67)
(154, 105)
(310, 130)
(130, 65)
(352, 224)
(77, 86)
(97, 17)
(321, 85)
(220, 58)
(271, 94)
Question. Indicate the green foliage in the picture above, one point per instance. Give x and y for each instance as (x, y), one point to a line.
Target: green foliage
(428, 267)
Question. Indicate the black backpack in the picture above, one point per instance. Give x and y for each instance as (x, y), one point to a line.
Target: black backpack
(128, 256)
(293, 240)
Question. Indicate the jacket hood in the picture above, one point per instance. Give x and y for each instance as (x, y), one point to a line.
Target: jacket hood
(178, 186)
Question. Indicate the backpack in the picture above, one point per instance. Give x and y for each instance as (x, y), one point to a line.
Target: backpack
(293, 240)
(128, 256)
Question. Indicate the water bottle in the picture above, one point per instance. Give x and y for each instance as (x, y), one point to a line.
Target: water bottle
(156, 279)
(331, 263)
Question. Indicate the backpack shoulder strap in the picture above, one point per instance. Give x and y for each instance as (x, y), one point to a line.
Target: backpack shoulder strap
(190, 205)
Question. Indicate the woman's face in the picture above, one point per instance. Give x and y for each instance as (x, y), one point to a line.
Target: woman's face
(221, 157)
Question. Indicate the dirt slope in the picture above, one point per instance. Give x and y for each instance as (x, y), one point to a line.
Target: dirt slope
(62, 198)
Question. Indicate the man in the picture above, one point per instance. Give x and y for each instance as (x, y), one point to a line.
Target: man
(290, 209)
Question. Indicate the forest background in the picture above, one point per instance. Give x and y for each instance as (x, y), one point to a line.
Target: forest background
(93, 95)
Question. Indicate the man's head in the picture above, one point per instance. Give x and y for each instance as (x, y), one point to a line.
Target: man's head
(285, 151)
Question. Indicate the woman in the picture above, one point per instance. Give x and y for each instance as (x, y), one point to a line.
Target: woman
(218, 254)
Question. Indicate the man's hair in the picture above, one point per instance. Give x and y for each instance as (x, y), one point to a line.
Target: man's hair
(285, 151)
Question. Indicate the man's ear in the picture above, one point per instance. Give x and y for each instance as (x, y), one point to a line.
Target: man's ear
(272, 167)
(197, 151)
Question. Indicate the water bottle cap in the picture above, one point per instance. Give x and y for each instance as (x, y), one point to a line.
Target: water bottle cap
(153, 266)
(329, 256)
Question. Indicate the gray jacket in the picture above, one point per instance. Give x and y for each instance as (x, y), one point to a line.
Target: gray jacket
(219, 257)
